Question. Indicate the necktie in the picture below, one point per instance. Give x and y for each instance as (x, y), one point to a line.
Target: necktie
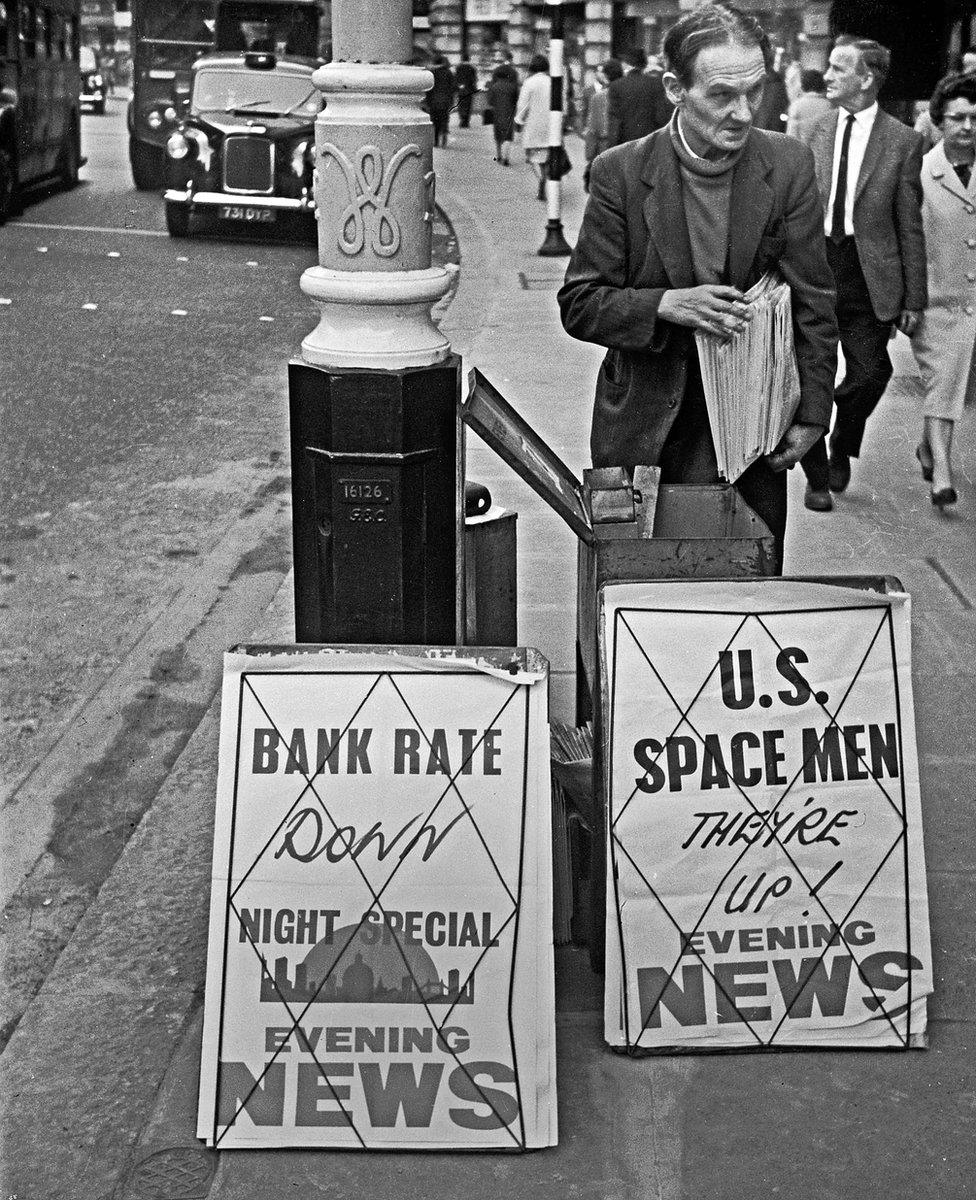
(964, 171)
(840, 196)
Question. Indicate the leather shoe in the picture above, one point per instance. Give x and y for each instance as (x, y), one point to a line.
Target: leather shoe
(943, 496)
(838, 471)
(817, 501)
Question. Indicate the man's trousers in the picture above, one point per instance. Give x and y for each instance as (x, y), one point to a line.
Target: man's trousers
(864, 340)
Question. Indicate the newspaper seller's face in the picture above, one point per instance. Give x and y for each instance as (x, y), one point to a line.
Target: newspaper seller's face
(718, 108)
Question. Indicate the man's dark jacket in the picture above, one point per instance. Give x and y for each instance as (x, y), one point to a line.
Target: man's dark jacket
(633, 246)
(636, 106)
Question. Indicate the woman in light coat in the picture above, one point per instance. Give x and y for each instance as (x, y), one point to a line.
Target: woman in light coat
(532, 118)
(944, 340)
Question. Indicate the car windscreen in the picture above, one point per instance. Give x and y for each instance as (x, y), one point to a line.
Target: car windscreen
(255, 91)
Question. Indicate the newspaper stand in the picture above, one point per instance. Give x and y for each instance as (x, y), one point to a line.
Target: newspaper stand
(630, 529)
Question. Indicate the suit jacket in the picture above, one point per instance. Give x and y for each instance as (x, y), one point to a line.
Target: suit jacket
(633, 246)
(637, 106)
(887, 211)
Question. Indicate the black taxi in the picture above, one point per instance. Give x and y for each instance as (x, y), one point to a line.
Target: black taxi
(244, 152)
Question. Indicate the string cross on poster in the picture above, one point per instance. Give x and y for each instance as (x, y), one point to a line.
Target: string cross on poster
(767, 829)
(346, 845)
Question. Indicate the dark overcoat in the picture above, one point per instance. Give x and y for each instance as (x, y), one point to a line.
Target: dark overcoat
(637, 105)
(633, 246)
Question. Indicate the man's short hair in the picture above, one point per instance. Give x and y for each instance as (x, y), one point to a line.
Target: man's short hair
(612, 69)
(538, 63)
(635, 56)
(711, 25)
(957, 86)
(874, 57)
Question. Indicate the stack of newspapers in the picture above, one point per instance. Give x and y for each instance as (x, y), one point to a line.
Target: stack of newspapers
(751, 384)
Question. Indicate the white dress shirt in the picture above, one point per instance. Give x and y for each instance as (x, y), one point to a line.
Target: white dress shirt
(860, 132)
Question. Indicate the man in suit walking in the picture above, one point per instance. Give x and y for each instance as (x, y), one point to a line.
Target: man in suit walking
(677, 227)
(636, 103)
(868, 170)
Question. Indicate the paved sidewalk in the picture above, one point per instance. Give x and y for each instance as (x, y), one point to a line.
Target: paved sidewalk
(101, 1074)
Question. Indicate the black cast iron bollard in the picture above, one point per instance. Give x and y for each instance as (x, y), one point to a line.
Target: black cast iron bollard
(555, 245)
(374, 399)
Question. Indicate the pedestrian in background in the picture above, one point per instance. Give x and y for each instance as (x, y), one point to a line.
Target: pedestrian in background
(809, 106)
(868, 168)
(440, 98)
(793, 79)
(502, 98)
(946, 334)
(466, 78)
(774, 105)
(596, 135)
(532, 118)
(637, 103)
(924, 124)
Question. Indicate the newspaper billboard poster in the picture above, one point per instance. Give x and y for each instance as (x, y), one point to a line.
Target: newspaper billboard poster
(766, 882)
(380, 969)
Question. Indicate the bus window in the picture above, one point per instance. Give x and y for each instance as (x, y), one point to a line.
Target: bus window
(4, 30)
(44, 39)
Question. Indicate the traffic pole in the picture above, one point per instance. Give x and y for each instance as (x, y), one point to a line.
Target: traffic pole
(373, 399)
(555, 245)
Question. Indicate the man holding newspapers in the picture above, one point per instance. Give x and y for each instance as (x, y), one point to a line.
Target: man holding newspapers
(678, 227)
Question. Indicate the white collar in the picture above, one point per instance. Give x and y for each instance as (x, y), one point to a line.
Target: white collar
(865, 117)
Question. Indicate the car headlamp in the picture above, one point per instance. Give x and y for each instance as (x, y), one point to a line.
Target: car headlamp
(155, 119)
(169, 113)
(177, 146)
(97, 80)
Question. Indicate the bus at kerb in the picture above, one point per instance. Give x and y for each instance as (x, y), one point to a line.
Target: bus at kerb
(40, 125)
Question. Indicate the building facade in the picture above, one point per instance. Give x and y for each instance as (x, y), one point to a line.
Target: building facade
(924, 35)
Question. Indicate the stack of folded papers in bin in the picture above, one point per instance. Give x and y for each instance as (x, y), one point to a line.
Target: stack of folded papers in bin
(752, 388)
(572, 808)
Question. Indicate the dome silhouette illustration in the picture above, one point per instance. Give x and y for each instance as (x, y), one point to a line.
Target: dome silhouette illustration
(384, 960)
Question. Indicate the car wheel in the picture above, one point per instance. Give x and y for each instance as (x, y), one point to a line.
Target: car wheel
(7, 186)
(69, 160)
(98, 108)
(177, 219)
(146, 161)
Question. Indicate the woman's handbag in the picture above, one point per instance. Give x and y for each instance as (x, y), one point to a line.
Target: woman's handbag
(561, 166)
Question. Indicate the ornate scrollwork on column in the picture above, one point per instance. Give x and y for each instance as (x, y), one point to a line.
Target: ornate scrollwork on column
(374, 283)
(368, 214)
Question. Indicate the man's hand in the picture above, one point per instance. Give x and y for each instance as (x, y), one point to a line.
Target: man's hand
(908, 321)
(795, 442)
(711, 308)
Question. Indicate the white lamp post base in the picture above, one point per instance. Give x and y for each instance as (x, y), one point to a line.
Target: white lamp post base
(377, 319)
